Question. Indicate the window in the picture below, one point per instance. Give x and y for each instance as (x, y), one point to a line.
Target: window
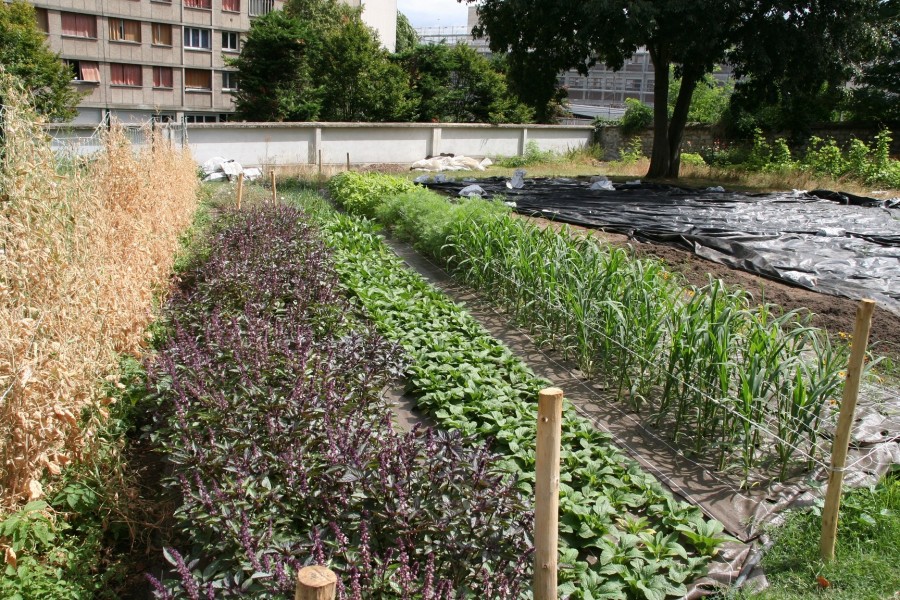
(124, 30)
(84, 71)
(127, 75)
(162, 34)
(196, 38)
(205, 4)
(84, 26)
(231, 5)
(229, 81)
(231, 41)
(162, 77)
(41, 16)
(261, 7)
(200, 119)
(197, 79)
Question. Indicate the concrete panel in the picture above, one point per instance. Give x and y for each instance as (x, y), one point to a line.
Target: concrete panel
(375, 145)
(481, 141)
(559, 140)
(251, 147)
(195, 99)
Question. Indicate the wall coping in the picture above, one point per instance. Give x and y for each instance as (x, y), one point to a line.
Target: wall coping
(341, 125)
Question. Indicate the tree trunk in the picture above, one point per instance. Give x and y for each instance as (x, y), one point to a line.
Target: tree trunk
(679, 120)
(660, 157)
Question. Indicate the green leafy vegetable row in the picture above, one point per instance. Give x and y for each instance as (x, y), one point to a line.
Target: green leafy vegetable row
(623, 535)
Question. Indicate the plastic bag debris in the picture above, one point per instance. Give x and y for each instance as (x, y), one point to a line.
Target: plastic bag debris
(252, 173)
(422, 179)
(472, 190)
(717, 189)
(602, 183)
(216, 177)
(517, 181)
(213, 165)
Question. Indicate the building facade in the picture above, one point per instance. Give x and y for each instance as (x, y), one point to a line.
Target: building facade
(163, 60)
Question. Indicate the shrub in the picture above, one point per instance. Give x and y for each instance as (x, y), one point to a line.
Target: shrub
(632, 152)
(692, 158)
(360, 193)
(533, 155)
(638, 116)
(825, 157)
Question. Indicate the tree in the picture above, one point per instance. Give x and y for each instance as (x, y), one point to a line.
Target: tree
(456, 84)
(25, 55)
(317, 60)
(407, 38)
(709, 102)
(275, 72)
(359, 82)
(876, 94)
(795, 43)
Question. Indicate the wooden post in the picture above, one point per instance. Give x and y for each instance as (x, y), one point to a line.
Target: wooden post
(316, 583)
(842, 434)
(274, 197)
(348, 161)
(546, 493)
(240, 189)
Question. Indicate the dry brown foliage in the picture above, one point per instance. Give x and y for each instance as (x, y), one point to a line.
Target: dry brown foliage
(83, 249)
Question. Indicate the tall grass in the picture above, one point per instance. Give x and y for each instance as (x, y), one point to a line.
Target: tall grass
(84, 249)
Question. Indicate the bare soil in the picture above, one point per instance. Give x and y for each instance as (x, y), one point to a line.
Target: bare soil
(832, 313)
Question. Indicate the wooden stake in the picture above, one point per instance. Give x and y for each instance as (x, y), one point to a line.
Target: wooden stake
(240, 189)
(546, 493)
(274, 197)
(842, 434)
(348, 161)
(316, 583)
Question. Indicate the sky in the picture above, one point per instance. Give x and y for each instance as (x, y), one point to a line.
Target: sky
(433, 13)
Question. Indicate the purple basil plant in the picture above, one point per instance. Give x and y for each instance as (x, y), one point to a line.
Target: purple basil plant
(270, 411)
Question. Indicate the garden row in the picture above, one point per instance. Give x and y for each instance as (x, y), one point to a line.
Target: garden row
(270, 410)
(621, 533)
(717, 371)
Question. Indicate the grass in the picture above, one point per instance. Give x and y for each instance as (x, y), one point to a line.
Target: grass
(868, 547)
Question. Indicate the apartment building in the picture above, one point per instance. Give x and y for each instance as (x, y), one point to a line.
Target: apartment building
(163, 60)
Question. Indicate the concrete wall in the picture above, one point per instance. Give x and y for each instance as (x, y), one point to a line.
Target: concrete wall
(283, 144)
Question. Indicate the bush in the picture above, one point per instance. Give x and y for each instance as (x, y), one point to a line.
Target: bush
(632, 152)
(533, 155)
(693, 159)
(361, 193)
(638, 116)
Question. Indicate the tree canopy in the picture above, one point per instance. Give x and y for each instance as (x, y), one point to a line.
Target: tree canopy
(456, 84)
(317, 60)
(790, 47)
(407, 38)
(25, 55)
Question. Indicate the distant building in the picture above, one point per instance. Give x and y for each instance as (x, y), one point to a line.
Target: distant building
(164, 60)
(602, 92)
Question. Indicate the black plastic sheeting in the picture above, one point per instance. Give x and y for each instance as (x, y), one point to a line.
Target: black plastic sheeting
(829, 242)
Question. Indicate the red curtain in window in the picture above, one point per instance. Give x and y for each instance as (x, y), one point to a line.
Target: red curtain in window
(79, 25)
(231, 5)
(125, 74)
(197, 79)
(162, 77)
(90, 71)
(198, 3)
